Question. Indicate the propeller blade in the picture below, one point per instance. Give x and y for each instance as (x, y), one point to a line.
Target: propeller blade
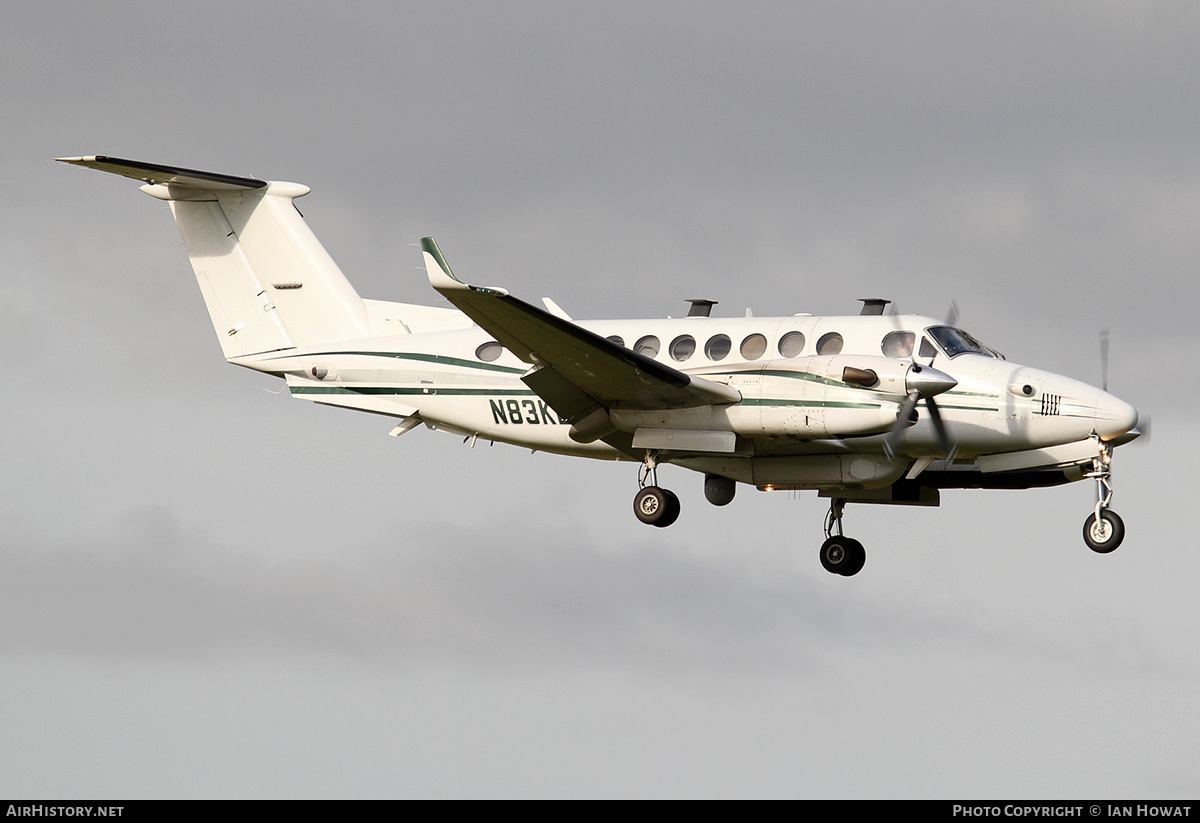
(952, 314)
(1104, 359)
(922, 382)
(904, 419)
(939, 425)
(894, 314)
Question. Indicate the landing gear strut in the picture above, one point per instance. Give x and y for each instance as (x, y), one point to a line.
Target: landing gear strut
(840, 554)
(653, 505)
(1103, 531)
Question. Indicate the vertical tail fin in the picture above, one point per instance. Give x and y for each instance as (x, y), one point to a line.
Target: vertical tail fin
(268, 282)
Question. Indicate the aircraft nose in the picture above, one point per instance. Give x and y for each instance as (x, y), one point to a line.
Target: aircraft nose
(1114, 417)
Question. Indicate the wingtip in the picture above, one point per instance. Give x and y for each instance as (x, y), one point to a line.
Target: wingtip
(440, 275)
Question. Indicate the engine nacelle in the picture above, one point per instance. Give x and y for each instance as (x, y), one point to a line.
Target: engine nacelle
(809, 398)
(885, 375)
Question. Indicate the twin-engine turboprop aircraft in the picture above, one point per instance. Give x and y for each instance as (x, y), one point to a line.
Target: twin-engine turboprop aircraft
(871, 408)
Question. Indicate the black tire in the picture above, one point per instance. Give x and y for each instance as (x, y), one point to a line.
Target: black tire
(656, 507)
(672, 512)
(858, 558)
(1105, 536)
(843, 555)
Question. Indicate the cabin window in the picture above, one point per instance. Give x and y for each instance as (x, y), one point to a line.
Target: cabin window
(899, 344)
(616, 338)
(830, 343)
(791, 344)
(927, 347)
(683, 347)
(489, 351)
(754, 346)
(718, 346)
(647, 346)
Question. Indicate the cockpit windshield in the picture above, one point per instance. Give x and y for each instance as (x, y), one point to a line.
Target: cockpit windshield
(956, 341)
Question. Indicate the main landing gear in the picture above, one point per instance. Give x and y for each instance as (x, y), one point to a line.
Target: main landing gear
(840, 554)
(1103, 531)
(653, 505)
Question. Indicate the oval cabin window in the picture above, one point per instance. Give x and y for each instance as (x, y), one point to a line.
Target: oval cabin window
(683, 347)
(791, 344)
(754, 346)
(647, 346)
(830, 343)
(718, 346)
(489, 351)
(899, 344)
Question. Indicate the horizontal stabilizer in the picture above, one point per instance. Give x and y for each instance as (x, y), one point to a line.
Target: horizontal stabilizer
(153, 174)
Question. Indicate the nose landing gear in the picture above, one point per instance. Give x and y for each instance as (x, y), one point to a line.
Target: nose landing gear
(1104, 530)
(840, 554)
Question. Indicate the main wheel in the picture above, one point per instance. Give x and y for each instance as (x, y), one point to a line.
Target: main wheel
(1105, 534)
(843, 555)
(672, 513)
(656, 506)
(858, 558)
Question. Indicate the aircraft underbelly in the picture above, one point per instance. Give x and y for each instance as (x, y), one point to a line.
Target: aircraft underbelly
(817, 471)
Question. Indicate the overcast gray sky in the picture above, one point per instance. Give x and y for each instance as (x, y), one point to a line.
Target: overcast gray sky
(210, 590)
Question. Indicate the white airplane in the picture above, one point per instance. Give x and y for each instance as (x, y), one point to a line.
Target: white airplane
(872, 408)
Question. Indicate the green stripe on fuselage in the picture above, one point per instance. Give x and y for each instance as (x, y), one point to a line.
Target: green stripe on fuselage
(440, 359)
(404, 390)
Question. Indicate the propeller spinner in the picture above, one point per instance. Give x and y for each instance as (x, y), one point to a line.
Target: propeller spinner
(922, 382)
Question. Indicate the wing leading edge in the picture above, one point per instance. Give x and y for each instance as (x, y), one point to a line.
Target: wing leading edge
(577, 372)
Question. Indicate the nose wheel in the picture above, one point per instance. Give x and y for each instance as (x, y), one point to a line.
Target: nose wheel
(1104, 533)
(840, 554)
(1103, 530)
(653, 505)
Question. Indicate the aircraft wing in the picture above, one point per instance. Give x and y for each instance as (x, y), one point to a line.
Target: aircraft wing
(575, 370)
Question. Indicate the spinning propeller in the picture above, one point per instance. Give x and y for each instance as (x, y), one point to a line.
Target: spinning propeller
(922, 382)
(1104, 359)
(1142, 431)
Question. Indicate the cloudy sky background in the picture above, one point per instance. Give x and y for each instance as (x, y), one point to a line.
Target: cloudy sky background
(210, 590)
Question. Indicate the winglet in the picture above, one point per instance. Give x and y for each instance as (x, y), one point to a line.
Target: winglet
(440, 276)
